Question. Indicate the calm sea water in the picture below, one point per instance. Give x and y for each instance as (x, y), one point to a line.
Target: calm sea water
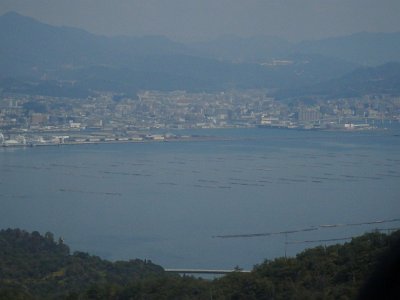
(166, 201)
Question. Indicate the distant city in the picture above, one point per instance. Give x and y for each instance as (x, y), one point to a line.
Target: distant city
(111, 117)
(79, 87)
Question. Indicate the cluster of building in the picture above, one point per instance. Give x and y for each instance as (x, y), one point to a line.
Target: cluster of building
(114, 117)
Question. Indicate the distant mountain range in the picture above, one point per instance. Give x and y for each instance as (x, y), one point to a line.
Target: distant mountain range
(364, 48)
(37, 58)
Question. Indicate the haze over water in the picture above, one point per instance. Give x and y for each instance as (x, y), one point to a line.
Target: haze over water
(165, 201)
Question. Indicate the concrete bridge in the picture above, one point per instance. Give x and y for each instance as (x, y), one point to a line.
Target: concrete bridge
(204, 271)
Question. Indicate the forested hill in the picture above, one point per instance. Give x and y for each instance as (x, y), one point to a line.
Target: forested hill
(33, 266)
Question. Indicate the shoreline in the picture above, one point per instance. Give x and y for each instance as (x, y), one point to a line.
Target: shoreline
(166, 140)
(158, 138)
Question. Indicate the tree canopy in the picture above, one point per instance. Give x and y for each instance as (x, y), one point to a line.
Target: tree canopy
(35, 266)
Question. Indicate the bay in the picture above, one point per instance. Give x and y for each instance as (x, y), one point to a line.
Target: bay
(167, 201)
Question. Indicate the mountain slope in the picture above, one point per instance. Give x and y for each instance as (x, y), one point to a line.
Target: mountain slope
(33, 266)
(31, 44)
(380, 80)
(50, 60)
(364, 48)
(257, 49)
(36, 266)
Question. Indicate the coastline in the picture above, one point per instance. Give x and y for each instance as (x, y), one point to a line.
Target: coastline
(129, 141)
(98, 137)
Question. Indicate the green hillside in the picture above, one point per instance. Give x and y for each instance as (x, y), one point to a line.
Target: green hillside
(33, 266)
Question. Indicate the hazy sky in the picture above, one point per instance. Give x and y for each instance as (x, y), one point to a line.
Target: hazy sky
(205, 19)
